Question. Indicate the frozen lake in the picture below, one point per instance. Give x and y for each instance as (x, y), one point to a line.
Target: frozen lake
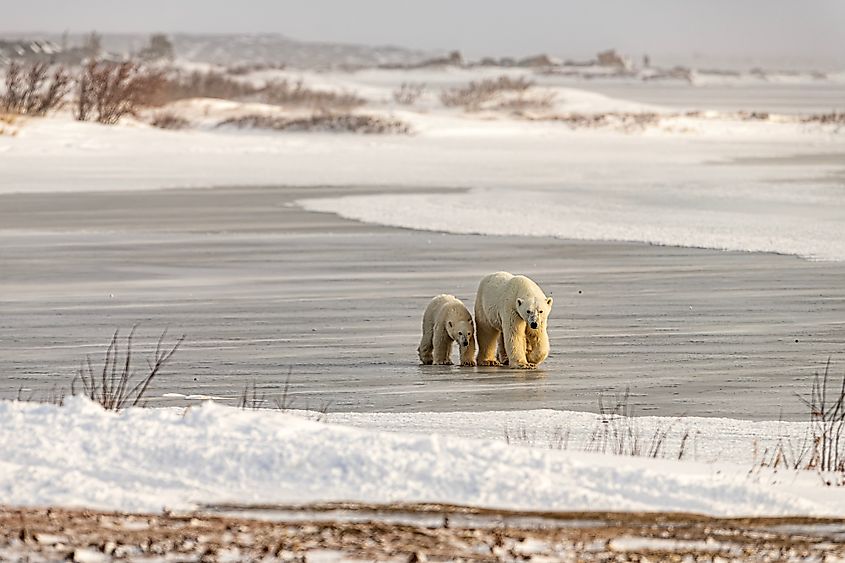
(267, 292)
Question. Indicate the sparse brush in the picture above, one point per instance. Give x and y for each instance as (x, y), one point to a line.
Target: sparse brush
(118, 386)
(168, 120)
(296, 94)
(473, 96)
(326, 123)
(33, 90)
(408, 93)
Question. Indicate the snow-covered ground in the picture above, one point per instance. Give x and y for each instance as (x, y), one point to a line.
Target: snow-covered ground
(672, 182)
(149, 459)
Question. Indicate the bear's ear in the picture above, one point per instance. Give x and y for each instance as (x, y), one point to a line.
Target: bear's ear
(449, 323)
(549, 301)
(518, 302)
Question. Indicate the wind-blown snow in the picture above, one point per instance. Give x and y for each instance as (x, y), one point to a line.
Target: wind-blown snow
(147, 459)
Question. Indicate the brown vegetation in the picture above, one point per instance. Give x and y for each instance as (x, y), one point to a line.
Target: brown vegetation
(503, 92)
(169, 120)
(278, 92)
(324, 122)
(34, 90)
(290, 93)
(181, 86)
(108, 91)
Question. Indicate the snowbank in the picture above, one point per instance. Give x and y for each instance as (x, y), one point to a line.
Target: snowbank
(147, 459)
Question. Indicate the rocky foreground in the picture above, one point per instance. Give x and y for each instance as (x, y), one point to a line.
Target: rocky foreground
(406, 533)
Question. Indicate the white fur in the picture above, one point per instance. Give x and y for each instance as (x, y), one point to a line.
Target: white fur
(447, 320)
(505, 307)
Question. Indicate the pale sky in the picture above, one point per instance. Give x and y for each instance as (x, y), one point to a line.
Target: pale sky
(766, 30)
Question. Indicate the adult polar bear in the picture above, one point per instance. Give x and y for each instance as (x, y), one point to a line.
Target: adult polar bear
(511, 311)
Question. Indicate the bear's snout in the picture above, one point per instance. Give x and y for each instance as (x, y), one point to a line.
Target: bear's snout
(464, 342)
(534, 325)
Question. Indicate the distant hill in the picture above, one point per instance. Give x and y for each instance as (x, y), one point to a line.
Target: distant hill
(225, 49)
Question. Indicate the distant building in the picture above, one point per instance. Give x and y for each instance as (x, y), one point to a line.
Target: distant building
(26, 49)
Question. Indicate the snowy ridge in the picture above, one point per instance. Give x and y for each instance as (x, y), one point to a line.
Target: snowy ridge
(148, 459)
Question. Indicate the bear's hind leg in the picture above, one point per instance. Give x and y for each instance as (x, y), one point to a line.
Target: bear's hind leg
(487, 337)
(500, 352)
(426, 349)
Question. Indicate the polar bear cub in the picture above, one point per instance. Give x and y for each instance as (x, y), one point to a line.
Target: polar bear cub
(511, 312)
(446, 320)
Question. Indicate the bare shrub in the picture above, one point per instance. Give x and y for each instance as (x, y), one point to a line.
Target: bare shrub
(295, 93)
(474, 95)
(408, 93)
(118, 386)
(168, 120)
(326, 123)
(33, 90)
(109, 91)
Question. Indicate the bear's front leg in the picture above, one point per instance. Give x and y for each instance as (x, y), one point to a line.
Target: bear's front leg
(513, 332)
(468, 354)
(538, 346)
(442, 349)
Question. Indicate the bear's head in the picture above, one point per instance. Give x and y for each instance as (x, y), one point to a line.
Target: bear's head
(461, 332)
(534, 311)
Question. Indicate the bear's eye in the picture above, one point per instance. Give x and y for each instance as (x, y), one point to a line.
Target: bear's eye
(541, 312)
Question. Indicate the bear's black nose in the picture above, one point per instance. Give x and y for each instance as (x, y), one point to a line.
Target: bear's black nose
(533, 325)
